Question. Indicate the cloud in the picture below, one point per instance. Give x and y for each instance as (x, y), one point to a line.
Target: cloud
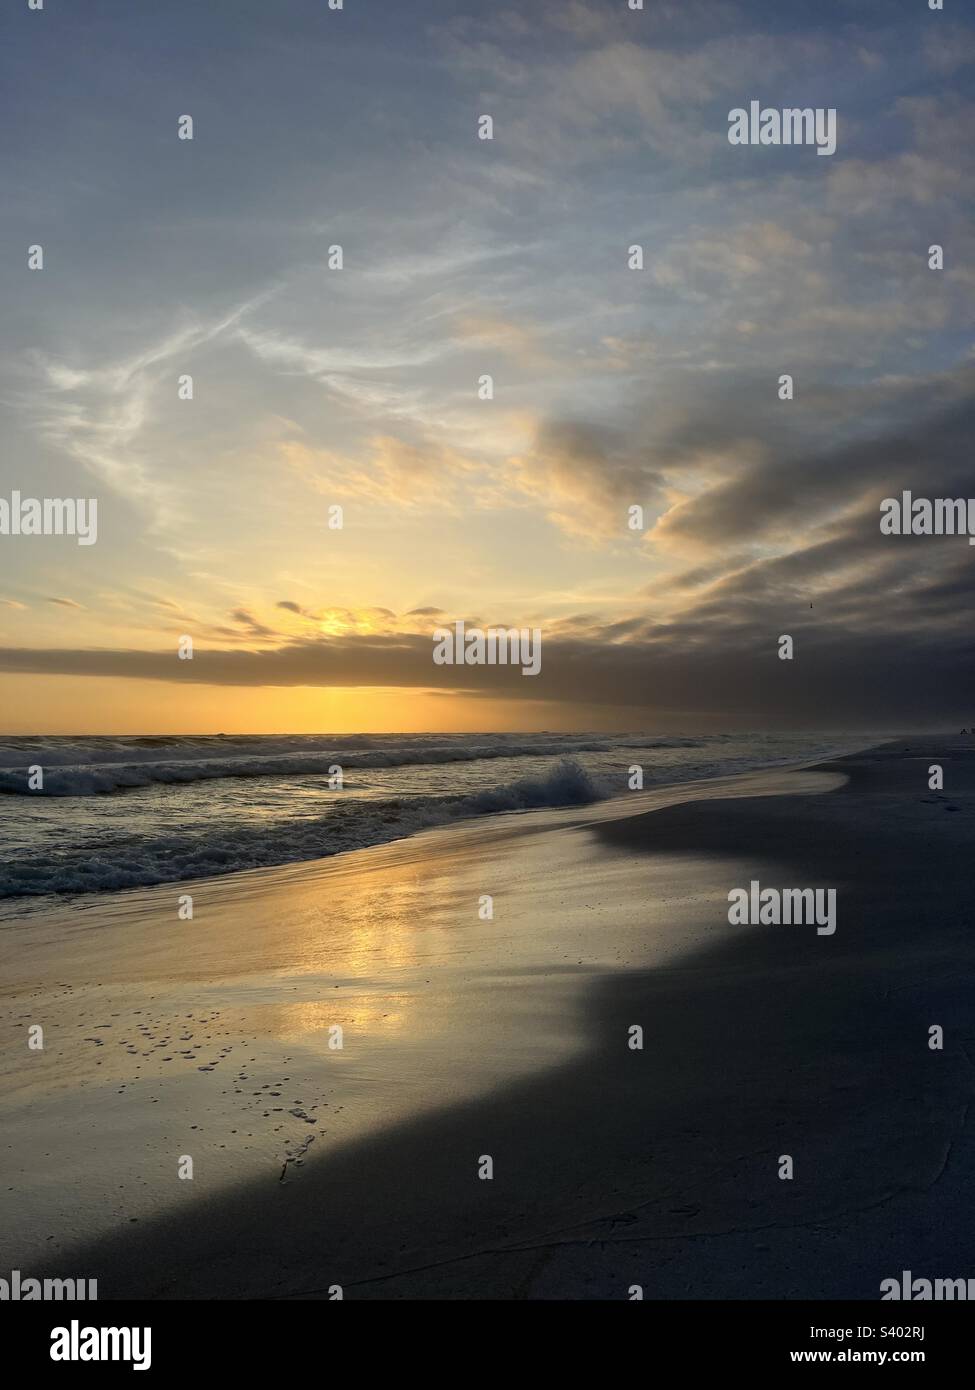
(100, 416)
(251, 626)
(923, 681)
(393, 471)
(613, 387)
(586, 475)
(782, 491)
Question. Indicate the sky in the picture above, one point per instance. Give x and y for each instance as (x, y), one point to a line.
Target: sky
(614, 387)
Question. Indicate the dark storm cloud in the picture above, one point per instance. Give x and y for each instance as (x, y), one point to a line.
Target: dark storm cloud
(838, 675)
(931, 456)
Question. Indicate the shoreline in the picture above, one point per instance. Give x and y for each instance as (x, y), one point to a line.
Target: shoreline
(509, 821)
(509, 1038)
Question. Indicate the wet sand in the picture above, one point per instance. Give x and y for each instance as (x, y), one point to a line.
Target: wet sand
(463, 1038)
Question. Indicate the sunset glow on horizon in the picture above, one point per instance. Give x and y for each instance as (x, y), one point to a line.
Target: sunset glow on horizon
(536, 377)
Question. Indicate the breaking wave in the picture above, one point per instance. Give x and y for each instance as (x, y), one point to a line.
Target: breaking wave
(142, 860)
(99, 767)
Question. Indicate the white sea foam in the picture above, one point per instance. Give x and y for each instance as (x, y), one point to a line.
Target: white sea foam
(75, 768)
(129, 812)
(161, 859)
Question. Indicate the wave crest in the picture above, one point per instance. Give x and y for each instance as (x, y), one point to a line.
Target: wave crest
(352, 823)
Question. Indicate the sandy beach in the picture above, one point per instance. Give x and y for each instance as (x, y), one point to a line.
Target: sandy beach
(465, 1036)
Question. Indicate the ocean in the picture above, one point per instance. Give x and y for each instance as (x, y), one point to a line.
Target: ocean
(125, 812)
